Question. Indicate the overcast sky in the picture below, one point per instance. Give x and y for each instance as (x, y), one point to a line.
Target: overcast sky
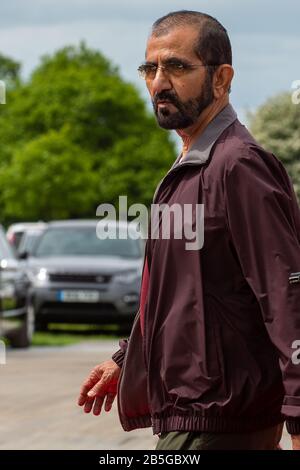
(265, 36)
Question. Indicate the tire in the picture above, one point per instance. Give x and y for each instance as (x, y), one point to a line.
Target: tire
(22, 338)
(41, 324)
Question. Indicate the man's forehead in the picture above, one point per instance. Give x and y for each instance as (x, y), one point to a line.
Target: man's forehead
(177, 42)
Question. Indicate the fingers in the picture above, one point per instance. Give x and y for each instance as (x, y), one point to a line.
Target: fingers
(88, 405)
(88, 396)
(98, 405)
(109, 401)
(99, 389)
(100, 385)
(83, 396)
(81, 400)
(87, 385)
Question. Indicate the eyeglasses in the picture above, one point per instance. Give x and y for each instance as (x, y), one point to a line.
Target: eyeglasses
(173, 69)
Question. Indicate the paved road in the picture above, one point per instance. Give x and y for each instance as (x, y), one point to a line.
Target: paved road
(38, 408)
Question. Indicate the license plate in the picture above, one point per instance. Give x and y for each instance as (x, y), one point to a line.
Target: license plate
(78, 296)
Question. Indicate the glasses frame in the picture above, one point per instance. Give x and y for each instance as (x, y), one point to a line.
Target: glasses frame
(163, 67)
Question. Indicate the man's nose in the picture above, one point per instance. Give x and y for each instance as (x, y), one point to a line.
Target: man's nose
(160, 82)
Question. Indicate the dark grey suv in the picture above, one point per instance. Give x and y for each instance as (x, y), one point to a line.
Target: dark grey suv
(78, 277)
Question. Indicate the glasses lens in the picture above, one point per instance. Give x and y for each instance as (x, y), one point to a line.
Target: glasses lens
(141, 71)
(175, 69)
(147, 71)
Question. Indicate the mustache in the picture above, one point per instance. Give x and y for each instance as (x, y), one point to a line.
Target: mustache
(166, 96)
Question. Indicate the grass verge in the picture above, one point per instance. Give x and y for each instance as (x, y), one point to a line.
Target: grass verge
(66, 334)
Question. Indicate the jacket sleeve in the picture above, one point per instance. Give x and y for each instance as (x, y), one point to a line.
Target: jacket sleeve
(264, 222)
(119, 355)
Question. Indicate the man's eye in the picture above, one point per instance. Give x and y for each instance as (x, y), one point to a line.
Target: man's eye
(177, 66)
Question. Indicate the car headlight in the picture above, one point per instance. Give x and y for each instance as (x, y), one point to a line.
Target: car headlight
(38, 276)
(127, 277)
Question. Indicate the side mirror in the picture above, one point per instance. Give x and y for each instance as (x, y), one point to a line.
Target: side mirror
(23, 255)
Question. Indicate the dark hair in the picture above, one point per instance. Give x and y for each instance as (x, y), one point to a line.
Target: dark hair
(213, 45)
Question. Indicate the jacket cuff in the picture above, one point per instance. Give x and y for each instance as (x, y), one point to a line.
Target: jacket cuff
(118, 357)
(293, 425)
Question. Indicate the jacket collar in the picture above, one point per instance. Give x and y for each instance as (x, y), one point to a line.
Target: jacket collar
(200, 150)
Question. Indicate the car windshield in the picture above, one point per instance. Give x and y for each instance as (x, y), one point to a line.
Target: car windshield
(83, 241)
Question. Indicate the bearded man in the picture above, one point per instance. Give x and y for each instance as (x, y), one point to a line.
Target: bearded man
(209, 363)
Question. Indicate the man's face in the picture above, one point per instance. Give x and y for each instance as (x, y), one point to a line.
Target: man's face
(178, 98)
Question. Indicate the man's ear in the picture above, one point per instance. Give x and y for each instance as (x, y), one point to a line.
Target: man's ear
(222, 80)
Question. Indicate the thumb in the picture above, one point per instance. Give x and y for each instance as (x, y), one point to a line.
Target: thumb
(98, 389)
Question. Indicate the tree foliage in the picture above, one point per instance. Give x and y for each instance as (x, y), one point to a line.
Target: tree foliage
(9, 71)
(75, 135)
(276, 125)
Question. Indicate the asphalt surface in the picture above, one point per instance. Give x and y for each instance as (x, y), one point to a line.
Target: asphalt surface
(39, 389)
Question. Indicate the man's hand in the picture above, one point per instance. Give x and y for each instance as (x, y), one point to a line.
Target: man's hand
(102, 382)
(296, 442)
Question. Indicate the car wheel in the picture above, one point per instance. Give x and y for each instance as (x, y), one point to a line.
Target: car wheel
(41, 325)
(23, 336)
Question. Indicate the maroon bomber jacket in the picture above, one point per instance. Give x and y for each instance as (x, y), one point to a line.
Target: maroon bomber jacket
(212, 347)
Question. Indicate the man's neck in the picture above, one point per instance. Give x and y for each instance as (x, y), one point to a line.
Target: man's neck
(190, 134)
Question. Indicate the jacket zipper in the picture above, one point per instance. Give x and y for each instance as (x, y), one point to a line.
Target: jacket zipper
(144, 332)
(170, 172)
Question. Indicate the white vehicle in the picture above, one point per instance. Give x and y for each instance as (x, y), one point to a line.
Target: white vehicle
(15, 232)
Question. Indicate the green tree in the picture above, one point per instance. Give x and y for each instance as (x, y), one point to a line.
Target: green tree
(9, 71)
(276, 125)
(74, 135)
(49, 177)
